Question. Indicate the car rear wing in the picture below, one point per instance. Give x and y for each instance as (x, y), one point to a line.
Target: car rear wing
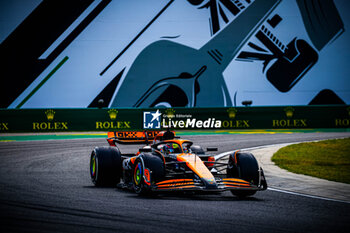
(131, 137)
(138, 137)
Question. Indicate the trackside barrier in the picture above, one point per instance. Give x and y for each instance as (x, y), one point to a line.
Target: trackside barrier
(281, 117)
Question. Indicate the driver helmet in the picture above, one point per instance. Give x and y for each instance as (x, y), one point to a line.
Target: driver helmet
(166, 149)
(186, 149)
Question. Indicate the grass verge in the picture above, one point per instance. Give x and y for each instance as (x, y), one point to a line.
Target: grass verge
(328, 159)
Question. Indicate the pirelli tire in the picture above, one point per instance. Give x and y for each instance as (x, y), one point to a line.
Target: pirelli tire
(244, 166)
(105, 166)
(148, 169)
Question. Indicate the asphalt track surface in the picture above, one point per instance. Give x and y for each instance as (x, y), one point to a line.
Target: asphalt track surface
(45, 187)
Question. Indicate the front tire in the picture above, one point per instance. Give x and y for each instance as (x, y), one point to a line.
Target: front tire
(105, 166)
(148, 169)
(243, 166)
(138, 180)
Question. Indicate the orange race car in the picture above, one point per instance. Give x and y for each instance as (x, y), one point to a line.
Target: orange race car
(168, 163)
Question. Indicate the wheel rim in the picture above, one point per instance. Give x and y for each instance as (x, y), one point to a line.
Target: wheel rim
(93, 166)
(138, 174)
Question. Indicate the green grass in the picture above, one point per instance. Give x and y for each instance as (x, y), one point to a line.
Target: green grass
(328, 159)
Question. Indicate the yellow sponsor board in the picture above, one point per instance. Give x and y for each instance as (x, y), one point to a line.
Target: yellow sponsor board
(342, 122)
(105, 125)
(289, 123)
(50, 125)
(236, 124)
(112, 124)
(4, 126)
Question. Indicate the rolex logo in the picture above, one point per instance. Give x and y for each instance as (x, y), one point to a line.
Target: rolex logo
(289, 111)
(231, 112)
(113, 114)
(50, 114)
(170, 113)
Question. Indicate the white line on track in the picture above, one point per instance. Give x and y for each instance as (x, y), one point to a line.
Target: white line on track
(306, 195)
(219, 156)
(222, 155)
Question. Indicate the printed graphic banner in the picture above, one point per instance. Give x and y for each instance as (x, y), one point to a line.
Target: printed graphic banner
(183, 53)
(286, 117)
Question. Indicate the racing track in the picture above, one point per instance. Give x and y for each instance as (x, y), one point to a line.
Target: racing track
(45, 187)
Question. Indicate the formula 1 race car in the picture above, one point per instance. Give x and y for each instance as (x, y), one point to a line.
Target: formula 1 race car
(168, 163)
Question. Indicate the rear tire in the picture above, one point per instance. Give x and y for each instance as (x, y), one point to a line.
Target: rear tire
(246, 168)
(105, 166)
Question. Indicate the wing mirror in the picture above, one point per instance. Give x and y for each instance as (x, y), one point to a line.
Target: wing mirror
(212, 149)
(146, 149)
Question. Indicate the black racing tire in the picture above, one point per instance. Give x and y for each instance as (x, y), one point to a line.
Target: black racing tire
(155, 164)
(246, 168)
(156, 167)
(105, 166)
(197, 150)
(138, 179)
